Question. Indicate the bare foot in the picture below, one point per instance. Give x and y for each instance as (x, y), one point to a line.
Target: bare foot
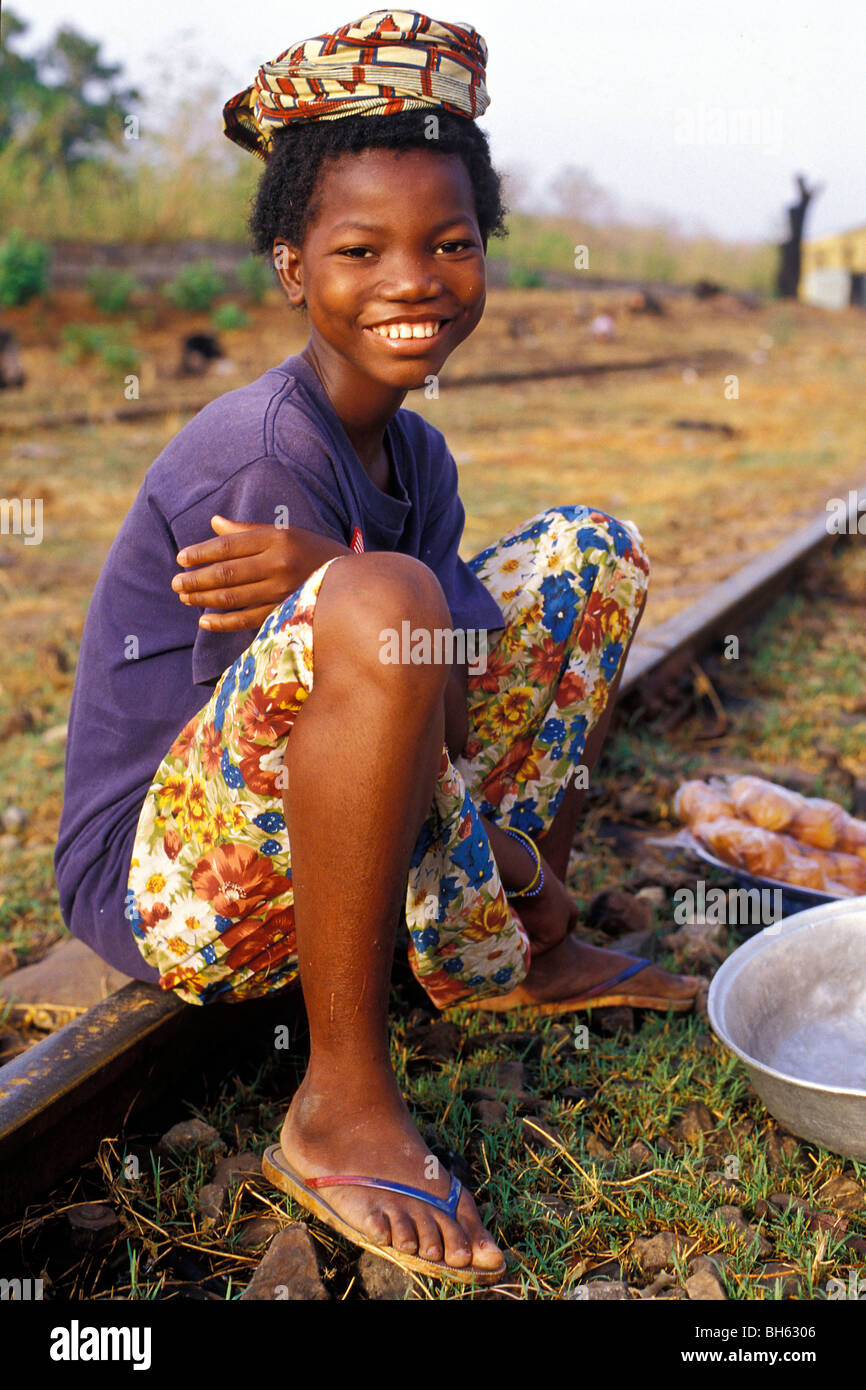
(572, 967)
(326, 1134)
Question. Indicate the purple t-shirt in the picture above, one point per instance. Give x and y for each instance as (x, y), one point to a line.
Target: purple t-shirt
(272, 452)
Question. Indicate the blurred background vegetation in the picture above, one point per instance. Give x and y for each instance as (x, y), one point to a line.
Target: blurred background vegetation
(81, 159)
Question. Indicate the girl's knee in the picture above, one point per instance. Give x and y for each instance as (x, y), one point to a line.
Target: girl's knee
(367, 601)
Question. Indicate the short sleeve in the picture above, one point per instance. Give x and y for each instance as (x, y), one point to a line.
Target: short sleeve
(471, 605)
(265, 492)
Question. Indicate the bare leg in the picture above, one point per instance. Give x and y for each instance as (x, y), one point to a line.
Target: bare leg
(362, 761)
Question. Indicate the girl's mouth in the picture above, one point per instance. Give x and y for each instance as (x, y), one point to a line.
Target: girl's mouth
(409, 338)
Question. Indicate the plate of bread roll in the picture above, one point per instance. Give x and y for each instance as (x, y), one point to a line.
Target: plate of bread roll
(770, 836)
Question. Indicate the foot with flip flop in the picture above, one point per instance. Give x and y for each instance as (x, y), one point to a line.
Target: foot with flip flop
(414, 1212)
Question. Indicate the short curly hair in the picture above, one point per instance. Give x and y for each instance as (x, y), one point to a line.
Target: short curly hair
(286, 204)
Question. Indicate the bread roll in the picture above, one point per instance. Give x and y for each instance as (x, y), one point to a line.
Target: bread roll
(853, 837)
(847, 869)
(743, 845)
(765, 804)
(696, 801)
(818, 823)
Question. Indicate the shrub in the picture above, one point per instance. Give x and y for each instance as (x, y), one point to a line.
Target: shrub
(111, 290)
(23, 269)
(254, 278)
(195, 287)
(523, 277)
(86, 340)
(228, 316)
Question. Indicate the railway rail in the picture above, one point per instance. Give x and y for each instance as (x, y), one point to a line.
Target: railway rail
(58, 1099)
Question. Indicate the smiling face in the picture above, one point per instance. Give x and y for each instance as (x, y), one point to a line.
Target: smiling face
(394, 241)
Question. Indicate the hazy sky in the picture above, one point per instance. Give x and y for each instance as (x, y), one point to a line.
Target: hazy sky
(702, 110)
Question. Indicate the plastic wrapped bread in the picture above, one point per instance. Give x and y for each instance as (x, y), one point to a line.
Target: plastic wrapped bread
(763, 803)
(766, 854)
(696, 801)
(818, 822)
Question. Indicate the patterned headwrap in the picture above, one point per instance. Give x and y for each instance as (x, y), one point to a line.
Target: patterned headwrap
(388, 61)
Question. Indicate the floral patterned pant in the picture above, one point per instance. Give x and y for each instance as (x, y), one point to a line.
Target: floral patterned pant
(210, 896)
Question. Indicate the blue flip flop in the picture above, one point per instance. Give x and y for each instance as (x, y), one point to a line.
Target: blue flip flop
(606, 995)
(277, 1170)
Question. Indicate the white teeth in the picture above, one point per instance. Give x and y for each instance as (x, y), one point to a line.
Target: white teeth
(407, 330)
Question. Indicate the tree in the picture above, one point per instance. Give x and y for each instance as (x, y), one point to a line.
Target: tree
(575, 193)
(64, 102)
(788, 279)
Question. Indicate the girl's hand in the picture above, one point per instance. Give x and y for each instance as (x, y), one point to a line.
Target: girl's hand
(247, 570)
(549, 917)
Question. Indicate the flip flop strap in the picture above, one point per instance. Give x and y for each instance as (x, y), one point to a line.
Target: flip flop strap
(446, 1204)
(639, 964)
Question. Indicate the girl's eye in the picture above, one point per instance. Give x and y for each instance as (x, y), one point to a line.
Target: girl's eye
(350, 250)
(458, 244)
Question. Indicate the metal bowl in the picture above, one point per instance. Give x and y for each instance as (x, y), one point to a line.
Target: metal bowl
(791, 1002)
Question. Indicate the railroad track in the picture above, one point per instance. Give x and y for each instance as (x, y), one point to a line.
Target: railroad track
(63, 1095)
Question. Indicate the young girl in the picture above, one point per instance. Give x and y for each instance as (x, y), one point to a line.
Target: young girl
(333, 782)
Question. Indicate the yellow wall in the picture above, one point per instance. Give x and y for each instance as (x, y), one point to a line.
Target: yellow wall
(846, 251)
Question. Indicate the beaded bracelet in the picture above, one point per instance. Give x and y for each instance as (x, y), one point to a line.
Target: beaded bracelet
(531, 890)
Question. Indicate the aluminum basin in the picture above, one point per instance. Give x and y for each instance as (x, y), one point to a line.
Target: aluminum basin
(791, 1002)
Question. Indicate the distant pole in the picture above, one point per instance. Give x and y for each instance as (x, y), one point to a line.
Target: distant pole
(788, 278)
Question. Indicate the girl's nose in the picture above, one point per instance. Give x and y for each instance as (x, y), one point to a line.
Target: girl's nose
(408, 277)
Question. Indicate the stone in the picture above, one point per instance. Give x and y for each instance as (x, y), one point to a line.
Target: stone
(713, 1264)
(782, 1149)
(659, 1285)
(617, 913)
(733, 1218)
(654, 894)
(524, 1041)
(92, 1224)
(256, 1232)
(235, 1167)
(490, 1114)
(189, 1136)
(8, 959)
(703, 1286)
(210, 1202)
(510, 1078)
(615, 1019)
(575, 1093)
(843, 1193)
(726, 1187)
(596, 1148)
(601, 1291)
(69, 973)
(384, 1281)
(288, 1271)
(695, 1121)
(13, 819)
(437, 1042)
(56, 734)
(776, 1270)
(654, 1253)
(639, 1155)
(608, 1269)
(540, 1134)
